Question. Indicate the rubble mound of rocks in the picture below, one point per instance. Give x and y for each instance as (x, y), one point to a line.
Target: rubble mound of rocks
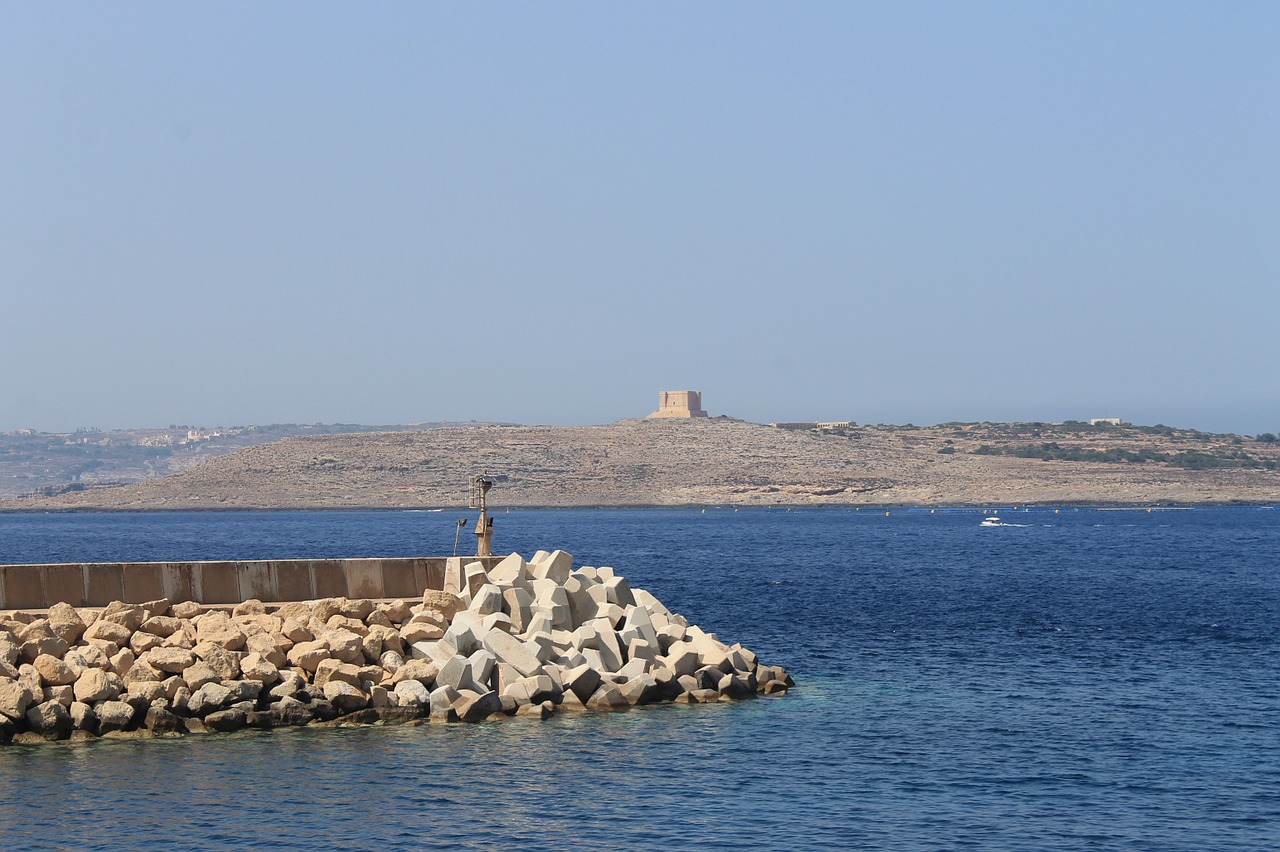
(519, 639)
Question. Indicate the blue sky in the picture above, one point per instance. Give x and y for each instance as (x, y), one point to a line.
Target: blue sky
(545, 213)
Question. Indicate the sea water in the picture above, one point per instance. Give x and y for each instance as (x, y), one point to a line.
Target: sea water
(1089, 679)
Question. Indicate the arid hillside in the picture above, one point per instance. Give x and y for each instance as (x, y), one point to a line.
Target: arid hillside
(716, 461)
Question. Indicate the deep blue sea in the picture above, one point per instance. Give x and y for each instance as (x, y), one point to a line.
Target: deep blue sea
(1089, 680)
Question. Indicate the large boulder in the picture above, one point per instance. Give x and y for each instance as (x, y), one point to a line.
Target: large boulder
(10, 650)
(345, 697)
(231, 719)
(161, 625)
(93, 686)
(82, 717)
(170, 660)
(198, 674)
(207, 698)
(218, 628)
(424, 672)
(412, 693)
(219, 658)
(53, 671)
(65, 622)
(106, 630)
(114, 715)
(307, 655)
(50, 720)
(446, 603)
(15, 698)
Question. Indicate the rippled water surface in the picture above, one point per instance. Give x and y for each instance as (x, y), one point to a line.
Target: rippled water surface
(1091, 680)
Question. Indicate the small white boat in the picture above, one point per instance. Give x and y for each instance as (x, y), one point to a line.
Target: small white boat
(992, 521)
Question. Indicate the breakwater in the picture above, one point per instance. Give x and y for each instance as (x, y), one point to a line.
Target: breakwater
(495, 638)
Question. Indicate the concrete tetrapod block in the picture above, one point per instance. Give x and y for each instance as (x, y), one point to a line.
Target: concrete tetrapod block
(641, 689)
(472, 706)
(682, 659)
(634, 668)
(510, 571)
(554, 566)
(582, 681)
(458, 640)
(486, 600)
(646, 600)
(442, 700)
(608, 697)
(638, 649)
(456, 673)
(542, 647)
(482, 665)
(619, 592)
(512, 651)
(516, 602)
(607, 645)
(454, 576)
(475, 578)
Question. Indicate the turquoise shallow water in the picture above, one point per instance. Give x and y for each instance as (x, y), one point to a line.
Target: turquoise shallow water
(1092, 680)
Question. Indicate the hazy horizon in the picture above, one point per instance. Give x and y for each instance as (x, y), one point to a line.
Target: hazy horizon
(887, 213)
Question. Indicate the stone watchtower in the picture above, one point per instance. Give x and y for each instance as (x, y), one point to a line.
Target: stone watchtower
(681, 404)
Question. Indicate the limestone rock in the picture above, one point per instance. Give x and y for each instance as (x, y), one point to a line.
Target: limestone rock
(65, 622)
(307, 655)
(207, 698)
(15, 698)
(161, 721)
(254, 667)
(242, 691)
(141, 642)
(82, 716)
(345, 697)
(42, 645)
(53, 671)
(443, 602)
(114, 716)
(290, 711)
(186, 610)
(9, 649)
(225, 721)
(218, 628)
(93, 686)
(105, 630)
(424, 672)
(412, 693)
(170, 660)
(149, 691)
(331, 670)
(198, 674)
(50, 720)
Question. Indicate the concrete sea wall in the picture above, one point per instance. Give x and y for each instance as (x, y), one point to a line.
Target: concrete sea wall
(98, 584)
(500, 638)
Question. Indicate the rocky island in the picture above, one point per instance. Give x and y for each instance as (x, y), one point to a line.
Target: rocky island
(716, 460)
